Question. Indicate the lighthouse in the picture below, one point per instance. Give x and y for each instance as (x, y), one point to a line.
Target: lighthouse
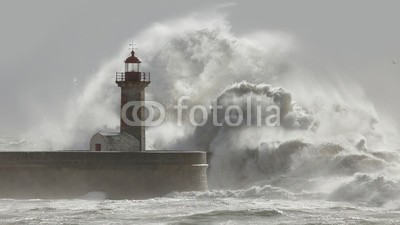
(132, 135)
(133, 83)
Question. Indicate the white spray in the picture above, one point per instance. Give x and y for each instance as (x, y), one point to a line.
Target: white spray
(331, 140)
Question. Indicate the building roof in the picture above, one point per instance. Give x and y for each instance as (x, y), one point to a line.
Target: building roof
(132, 58)
(109, 133)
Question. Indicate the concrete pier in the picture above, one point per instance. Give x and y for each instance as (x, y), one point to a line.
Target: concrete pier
(121, 175)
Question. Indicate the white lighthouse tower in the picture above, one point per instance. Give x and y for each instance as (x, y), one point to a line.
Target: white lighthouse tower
(132, 136)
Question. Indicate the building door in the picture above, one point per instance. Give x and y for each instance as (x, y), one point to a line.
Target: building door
(98, 147)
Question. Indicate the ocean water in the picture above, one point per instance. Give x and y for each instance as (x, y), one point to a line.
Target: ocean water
(193, 208)
(332, 160)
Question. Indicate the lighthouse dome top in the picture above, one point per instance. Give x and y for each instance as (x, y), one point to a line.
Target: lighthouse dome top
(132, 58)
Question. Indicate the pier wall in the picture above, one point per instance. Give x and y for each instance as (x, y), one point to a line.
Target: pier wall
(121, 175)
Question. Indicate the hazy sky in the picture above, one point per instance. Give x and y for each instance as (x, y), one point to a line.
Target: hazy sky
(46, 44)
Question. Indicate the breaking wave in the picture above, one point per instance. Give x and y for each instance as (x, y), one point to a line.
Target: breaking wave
(331, 141)
(266, 191)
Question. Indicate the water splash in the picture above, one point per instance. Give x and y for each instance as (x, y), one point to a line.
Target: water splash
(329, 131)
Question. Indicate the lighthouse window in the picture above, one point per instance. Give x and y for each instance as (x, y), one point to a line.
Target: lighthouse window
(132, 67)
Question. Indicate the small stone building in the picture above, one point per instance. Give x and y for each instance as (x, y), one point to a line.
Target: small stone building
(120, 142)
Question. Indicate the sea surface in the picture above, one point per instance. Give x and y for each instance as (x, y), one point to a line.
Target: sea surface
(193, 208)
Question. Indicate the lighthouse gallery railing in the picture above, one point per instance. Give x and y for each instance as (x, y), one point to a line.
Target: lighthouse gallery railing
(132, 76)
